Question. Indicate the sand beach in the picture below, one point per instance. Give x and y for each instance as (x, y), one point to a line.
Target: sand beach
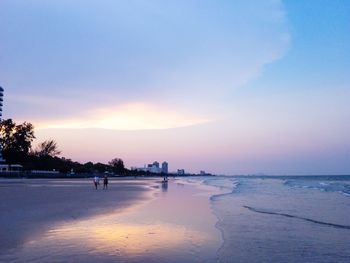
(189, 219)
(133, 221)
(29, 206)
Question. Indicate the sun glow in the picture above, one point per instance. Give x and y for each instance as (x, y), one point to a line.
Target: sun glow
(126, 239)
(134, 116)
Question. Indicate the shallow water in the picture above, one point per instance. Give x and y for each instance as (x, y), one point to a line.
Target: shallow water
(209, 219)
(284, 220)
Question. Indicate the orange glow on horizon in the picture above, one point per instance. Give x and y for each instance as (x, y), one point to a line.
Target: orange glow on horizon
(132, 116)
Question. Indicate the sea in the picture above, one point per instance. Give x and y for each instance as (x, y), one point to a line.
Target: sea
(282, 218)
(210, 219)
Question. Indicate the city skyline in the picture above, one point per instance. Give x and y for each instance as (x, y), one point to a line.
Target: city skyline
(229, 88)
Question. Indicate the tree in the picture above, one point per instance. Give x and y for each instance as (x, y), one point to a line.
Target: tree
(47, 148)
(117, 165)
(100, 167)
(16, 140)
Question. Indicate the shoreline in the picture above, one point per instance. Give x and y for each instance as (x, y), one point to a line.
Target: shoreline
(30, 206)
(154, 221)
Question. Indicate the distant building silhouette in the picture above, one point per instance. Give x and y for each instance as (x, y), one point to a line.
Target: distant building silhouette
(153, 168)
(180, 171)
(165, 167)
(1, 101)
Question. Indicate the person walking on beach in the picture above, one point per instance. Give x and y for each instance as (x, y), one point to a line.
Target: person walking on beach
(105, 182)
(96, 181)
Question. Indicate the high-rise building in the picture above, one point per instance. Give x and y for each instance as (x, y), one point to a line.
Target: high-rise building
(165, 167)
(153, 168)
(1, 100)
(180, 171)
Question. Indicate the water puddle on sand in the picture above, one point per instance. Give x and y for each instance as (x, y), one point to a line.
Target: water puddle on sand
(176, 226)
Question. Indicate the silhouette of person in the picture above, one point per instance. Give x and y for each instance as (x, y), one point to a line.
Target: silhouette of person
(96, 181)
(105, 182)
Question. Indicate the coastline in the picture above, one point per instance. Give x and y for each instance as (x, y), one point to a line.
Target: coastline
(30, 206)
(150, 220)
(140, 220)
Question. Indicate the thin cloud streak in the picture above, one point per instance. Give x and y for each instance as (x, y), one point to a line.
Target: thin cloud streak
(136, 116)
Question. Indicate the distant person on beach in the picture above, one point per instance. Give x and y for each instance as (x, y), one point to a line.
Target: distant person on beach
(96, 181)
(105, 182)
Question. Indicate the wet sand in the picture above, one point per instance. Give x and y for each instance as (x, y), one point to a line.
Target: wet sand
(29, 206)
(133, 221)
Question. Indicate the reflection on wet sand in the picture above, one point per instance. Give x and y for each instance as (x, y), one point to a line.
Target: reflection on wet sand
(125, 239)
(166, 229)
(164, 185)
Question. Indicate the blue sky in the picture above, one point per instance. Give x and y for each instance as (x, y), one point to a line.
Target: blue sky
(227, 86)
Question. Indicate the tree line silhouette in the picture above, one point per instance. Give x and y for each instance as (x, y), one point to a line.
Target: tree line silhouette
(16, 142)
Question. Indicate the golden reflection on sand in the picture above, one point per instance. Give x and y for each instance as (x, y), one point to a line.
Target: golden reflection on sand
(127, 239)
(175, 225)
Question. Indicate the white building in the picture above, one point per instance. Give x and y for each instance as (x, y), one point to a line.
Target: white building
(152, 168)
(165, 167)
(11, 168)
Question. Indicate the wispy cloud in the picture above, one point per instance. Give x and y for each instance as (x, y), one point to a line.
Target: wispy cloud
(136, 116)
(189, 55)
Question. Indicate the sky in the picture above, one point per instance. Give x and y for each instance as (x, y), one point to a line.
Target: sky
(229, 87)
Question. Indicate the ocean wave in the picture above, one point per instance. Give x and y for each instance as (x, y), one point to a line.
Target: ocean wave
(225, 185)
(256, 210)
(342, 187)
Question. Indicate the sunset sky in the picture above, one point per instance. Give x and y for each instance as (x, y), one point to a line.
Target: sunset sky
(230, 87)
